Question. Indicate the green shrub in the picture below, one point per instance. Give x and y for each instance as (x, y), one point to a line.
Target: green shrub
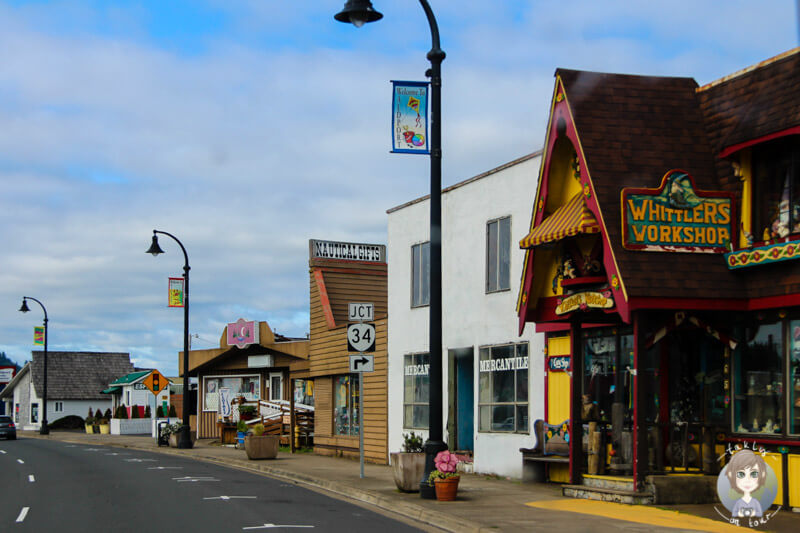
(98, 414)
(258, 430)
(241, 426)
(107, 414)
(147, 413)
(67, 422)
(122, 412)
(90, 414)
(159, 412)
(173, 413)
(135, 411)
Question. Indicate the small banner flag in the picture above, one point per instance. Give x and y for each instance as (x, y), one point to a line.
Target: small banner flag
(38, 335)
(175, 292)
(410, 117)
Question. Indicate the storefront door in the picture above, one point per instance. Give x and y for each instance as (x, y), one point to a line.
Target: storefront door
(462, 399)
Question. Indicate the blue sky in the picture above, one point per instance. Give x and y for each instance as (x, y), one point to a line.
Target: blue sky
(247, 127)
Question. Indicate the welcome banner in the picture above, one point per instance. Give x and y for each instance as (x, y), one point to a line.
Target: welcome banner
(410, 117)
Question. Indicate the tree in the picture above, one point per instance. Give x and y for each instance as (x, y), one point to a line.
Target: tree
(135, 411)
(173, 413)
(147, 413)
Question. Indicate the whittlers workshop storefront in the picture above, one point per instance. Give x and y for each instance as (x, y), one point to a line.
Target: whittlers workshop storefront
(661, 263)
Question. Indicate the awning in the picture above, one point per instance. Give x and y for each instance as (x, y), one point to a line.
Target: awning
(112, 390)
(568, 220)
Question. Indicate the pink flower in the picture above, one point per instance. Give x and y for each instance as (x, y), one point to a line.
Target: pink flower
(446, 462)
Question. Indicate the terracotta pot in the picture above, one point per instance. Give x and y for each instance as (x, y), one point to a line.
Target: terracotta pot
(446, 489)
(407, 469)
(263, 447)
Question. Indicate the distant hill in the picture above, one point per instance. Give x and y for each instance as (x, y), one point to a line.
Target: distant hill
(5, 361)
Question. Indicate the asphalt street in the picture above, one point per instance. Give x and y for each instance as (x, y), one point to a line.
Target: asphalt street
(58, 486)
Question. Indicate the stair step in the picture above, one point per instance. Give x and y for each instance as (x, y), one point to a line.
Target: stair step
(607, 495)
(609, 482)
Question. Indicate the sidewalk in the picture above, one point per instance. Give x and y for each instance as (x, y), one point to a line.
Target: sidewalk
(484, 503)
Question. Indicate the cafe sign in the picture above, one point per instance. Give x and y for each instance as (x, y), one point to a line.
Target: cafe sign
(584, 301)
(676, 217)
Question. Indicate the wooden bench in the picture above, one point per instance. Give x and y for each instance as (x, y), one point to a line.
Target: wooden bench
(552, 446)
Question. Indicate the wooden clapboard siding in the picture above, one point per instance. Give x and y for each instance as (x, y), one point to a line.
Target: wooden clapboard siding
(344, 282)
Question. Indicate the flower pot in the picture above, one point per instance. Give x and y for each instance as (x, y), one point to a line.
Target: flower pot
(240, 435)
(447, 488)
(89, 428)
(408, 469)
(263, 447)
(105, 429)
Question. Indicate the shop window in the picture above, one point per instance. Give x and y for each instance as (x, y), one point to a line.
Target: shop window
(498, 254)
(420, 274)
(16, 413)
(59, 407)
(776, 188)
(34, 413)
(605, 370)
(275, 386)
(345, 405)
(247, 386)
(416, 390)
(304, 391)
(758, 380)
(794, 377)
(503, 400)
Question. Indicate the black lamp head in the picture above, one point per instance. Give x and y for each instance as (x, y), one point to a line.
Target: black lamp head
(154, 249)
(24, 307)
(358, 12)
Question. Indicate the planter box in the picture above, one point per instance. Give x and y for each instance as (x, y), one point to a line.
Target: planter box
(135, 426)
(104, 429)
(156, 421)
(407, 469)
(173, 439)
(263, 447)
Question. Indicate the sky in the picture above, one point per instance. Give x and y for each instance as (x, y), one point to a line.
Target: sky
(247, 127)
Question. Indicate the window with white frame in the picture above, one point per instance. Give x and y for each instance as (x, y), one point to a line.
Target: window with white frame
(503, 397)
(416, 390)
(420, 274)
(248, 386)
(498, 254)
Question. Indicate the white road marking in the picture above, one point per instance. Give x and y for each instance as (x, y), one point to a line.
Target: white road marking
(226, 498)
(23, 514)
(141, 460)
(194, 479)
(270, 526)
(91, 449)
(115, 453)
(20, 461)
(31, 478)
(165, 468)
(2, 451)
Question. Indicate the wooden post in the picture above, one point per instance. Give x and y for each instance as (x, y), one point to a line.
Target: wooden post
(594, 448)
(292, 448)
(576, 405)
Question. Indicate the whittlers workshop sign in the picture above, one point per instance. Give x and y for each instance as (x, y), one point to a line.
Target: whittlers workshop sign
(676, 217)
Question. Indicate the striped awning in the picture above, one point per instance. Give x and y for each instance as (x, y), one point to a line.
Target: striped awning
(568, 220)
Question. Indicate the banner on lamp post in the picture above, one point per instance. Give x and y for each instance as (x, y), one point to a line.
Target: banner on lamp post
(176, 292)
(38, 335)
(410, 117)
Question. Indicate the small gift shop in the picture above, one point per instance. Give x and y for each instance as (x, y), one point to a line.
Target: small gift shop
(661, 263)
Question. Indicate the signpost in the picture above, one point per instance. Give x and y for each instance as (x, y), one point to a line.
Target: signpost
(361, 338)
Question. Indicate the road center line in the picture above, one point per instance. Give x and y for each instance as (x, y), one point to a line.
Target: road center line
(20, 461)
(23, 514)
(2, 451)
(31, 478)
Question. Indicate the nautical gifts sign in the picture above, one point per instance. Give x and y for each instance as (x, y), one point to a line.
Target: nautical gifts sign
(410, 117)
(676, 217)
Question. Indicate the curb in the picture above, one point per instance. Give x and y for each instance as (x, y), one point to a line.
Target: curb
(436, 519)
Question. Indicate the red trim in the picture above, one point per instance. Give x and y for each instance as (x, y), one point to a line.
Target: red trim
(587, 280)
(733, 304)
(764, 441)
(353, 271)
(324, 300)
(635, 402)
(732, 149)
(553, 327)
(546, 383)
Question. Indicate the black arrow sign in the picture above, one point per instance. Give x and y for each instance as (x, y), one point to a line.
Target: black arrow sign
(363, 361)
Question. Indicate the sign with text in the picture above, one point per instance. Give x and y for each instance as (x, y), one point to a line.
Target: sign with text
(243, 333)
(361, 337)
(584, 301)
(6, 374)
(360, 312)
(348, 251)
(38, 335)
(362, 363)
(558, 363)
(175, 292)
(410, 117)
(676, 217)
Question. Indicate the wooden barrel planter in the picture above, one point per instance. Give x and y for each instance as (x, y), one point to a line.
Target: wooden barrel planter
(263, 447)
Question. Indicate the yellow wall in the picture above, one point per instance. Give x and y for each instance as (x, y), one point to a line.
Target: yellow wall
(746, 216)
(774, 461)
(558, 393)
(794, 480)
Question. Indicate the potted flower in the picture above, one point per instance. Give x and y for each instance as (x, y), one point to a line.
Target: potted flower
(260, 446)
(241, 432)
(408, 466)
(445, 478)
(89, 421)
(247, 412)
(101, 422)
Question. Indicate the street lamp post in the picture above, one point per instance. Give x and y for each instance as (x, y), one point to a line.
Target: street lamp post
(44, 430)
(359, 12)
(184, 437)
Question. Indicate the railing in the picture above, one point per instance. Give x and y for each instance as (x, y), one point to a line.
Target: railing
(275, 415)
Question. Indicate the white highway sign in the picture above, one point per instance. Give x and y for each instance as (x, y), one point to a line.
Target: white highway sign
(360, 312)
(362, 363)
(361, 337)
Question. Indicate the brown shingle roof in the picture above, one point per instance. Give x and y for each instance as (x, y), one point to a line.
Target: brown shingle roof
(633, 129)
(78, 375)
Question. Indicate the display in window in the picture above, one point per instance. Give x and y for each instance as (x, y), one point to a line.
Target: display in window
(759, 380)
(346, 405)
(503, 388)
(247, 387)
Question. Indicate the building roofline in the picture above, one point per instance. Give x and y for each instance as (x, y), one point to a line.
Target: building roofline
(747, 70)
(469, 180)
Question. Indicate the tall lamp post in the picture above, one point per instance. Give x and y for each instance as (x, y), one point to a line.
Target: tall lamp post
(184, 437)
(358, 12)
(44, 430)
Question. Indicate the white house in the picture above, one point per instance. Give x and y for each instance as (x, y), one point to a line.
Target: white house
(74, 384)
(492, 378)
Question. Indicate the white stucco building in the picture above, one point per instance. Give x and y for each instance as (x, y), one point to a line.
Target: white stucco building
(492, 378)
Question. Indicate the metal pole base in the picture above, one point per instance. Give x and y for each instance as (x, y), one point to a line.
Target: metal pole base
(185, 437)
(426, 490)
(44, 430)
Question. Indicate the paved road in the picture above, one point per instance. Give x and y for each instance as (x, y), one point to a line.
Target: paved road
(57, 486)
